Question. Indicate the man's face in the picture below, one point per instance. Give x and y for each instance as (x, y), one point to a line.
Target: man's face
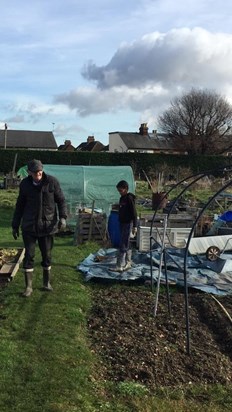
(36, 176)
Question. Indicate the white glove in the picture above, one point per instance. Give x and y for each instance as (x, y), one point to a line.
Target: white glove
(134, 232)
(62, 224)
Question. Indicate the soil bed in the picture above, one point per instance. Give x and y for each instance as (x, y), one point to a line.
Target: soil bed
(133, 345)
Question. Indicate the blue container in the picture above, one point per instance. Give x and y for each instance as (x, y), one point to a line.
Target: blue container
(114, 228)
(227, 216)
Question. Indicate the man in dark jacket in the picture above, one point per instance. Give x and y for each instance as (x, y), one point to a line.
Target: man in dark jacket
(128, 226)
(40, 196)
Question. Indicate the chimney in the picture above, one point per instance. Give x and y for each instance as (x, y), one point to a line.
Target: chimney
(143, 130)
(67, 142)
(90, 139)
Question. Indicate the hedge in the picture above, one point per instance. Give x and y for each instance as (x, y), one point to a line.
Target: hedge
(138, 161)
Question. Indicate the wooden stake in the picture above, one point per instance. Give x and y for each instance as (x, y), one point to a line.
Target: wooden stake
(91, 221)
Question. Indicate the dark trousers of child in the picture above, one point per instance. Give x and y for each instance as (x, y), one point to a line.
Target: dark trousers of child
(45, 245)
(124, 244)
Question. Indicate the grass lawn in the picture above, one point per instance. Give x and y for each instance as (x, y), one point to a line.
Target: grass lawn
(46, 361)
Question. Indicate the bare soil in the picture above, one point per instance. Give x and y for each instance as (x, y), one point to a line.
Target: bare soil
(135, 345)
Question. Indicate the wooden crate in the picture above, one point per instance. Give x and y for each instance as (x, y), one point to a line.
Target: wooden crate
(174, 220)
(9, 269)
(179, 220)
(91, 227)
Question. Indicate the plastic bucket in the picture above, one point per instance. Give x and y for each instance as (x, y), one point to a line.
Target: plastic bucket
(159, 200)
(114, 228)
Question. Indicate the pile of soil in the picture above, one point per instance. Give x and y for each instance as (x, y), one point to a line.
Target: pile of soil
(135, 345)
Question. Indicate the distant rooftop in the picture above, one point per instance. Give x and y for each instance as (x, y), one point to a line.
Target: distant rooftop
(27, 139)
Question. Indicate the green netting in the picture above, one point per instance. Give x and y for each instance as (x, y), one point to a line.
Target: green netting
(84, 184)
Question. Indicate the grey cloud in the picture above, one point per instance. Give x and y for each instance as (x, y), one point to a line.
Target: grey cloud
(87, 101)
(181, 56)
(153, 70)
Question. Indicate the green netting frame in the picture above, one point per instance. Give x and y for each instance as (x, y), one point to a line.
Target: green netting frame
(84, 184)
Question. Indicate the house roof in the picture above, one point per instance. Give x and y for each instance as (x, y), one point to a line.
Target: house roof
(94, 146)
(82, 146)
(105, 148)
(66, 147)
(151, 141)
(28, 139)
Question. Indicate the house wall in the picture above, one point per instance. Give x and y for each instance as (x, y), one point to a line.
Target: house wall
(116, 144)
(140, 151)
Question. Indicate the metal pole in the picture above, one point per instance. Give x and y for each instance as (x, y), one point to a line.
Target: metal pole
(166, 281)
(160, 266)
(151, 263)
(186, 256)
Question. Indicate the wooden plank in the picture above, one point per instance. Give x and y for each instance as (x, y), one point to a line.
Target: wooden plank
(15, 270)
(11, 268)
(87, 216)
(21, 256)
(6, 269)
(90, 226)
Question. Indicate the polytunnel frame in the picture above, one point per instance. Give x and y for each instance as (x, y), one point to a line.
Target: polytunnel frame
(197, 176)
(163, 250)
(186, 255)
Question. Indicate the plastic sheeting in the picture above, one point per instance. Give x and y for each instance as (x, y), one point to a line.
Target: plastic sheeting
(211, 277)
(84, 184)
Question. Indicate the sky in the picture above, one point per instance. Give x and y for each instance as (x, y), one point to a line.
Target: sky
(90, 67)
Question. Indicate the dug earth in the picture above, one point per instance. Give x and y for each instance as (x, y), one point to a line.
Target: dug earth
(134, 345)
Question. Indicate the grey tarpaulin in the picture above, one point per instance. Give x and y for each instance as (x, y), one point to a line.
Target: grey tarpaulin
(210, 277)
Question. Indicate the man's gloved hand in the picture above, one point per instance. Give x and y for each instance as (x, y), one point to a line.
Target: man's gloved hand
(15, 233)
(62, 224)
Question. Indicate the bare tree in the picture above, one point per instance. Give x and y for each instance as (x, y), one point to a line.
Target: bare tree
(199, 122)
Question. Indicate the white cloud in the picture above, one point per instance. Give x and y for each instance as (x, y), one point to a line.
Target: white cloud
(143, 54)
(88, 101)
(38, 114)
(37, 108)
(149, 72)
(180, 56)
(62, 130)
